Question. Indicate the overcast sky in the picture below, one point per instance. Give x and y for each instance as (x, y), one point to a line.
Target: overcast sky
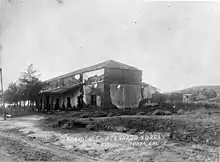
(175, 44)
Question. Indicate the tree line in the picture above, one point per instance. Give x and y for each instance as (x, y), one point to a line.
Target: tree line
(26, 88)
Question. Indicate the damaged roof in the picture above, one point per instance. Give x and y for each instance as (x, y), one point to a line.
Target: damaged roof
(62, 89)
(106, 64)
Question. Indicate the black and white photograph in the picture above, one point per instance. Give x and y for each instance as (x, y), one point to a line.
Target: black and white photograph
(109, 81)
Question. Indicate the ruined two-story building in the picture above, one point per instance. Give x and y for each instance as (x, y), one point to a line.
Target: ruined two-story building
(103, 84)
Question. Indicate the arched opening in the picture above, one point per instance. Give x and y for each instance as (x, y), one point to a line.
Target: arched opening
(68, 103)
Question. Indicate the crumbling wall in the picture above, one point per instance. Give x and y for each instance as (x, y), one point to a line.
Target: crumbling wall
(124, 95)
(93, 85)
(93, 76)
(95, 88)
(129, 97)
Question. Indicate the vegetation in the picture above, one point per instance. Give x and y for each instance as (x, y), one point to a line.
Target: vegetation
(197, 94)
(26, 88)
(200, 93)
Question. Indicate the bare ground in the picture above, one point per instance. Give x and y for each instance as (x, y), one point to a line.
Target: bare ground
(23, 139)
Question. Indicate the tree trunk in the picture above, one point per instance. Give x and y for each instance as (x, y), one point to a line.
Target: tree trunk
(36, 104)
(32, 107)
(11, 110)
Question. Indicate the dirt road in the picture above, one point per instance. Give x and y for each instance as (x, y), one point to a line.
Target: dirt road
(24, 139)
(21, 139)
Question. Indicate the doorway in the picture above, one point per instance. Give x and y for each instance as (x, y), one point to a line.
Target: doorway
(69, 103)
(80, 101)
(93, 99)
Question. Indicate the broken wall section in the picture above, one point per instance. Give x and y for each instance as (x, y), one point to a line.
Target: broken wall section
(94, 87)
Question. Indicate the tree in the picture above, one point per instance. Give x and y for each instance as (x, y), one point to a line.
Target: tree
(14, 93)
(31, 83)
(26, 89)
(21, 93)
(10, 95)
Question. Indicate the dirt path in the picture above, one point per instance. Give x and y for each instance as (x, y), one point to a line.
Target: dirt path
(15, 143)
(22, 138)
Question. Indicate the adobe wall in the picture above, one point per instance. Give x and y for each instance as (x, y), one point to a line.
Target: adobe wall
(130, 81)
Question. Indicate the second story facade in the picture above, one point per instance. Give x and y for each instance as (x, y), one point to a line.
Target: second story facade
(108, 82)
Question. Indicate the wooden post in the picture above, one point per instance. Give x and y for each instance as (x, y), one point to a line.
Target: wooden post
(2, 92)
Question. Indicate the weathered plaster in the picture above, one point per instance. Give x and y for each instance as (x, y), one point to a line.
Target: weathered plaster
(124, 95)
